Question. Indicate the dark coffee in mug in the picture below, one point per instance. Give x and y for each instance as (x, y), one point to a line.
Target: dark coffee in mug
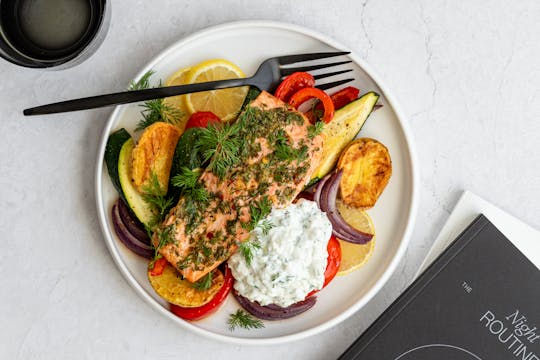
(46, 33)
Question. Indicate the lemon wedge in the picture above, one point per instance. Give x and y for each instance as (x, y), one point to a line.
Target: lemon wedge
(353, 256)
(177, 102)
(224, 103)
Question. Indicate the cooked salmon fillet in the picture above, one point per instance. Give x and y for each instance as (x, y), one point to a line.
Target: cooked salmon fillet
(277, 156)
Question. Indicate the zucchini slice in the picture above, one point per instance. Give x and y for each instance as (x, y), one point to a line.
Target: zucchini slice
(343, 128)
(112, 153)
(134, 199)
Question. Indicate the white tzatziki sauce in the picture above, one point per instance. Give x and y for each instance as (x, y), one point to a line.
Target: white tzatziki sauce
(291, 259)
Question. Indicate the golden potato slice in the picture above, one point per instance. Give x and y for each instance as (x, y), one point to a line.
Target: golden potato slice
(153, 154)
(171, 287)
(367, 167)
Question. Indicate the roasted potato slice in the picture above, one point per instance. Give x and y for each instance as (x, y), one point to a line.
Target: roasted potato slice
(171, 287)
(153, 154)
(367, 167)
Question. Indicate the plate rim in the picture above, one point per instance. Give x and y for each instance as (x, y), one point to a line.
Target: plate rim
(383, 279)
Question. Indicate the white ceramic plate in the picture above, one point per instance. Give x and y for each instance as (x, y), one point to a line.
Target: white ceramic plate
(393, 215)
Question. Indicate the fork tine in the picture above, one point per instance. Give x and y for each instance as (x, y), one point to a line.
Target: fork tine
(291, 59)
(289, 71)
(333, 84)
(322, 76)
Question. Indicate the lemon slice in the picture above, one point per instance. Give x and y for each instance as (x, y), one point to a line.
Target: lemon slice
(353, 256)
(224, 103)
(177, 103)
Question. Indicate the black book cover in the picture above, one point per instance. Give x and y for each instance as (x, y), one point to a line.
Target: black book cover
(479, 300)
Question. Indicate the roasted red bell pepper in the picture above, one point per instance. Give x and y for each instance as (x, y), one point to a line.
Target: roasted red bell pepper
(343, 97)
(308, 93)
(332, 263)
(159, 266)
(292, 84)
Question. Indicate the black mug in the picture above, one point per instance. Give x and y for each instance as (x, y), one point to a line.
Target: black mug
(52, 33)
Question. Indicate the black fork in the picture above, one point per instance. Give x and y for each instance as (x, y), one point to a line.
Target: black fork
(269, 74)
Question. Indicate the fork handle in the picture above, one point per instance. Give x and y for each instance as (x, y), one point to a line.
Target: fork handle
(126, 97)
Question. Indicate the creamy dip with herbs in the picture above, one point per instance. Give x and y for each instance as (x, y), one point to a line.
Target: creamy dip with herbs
(290, 258)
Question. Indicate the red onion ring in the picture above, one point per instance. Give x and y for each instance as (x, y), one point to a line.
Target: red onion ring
(275, 312)
(131, 242)
(318, 189)
(325, 196)
(135, 227)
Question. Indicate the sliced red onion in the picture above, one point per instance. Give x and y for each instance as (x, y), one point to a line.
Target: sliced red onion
(135, 227)
(318, 188)
(274, 312)
(306, 194)
(132, 243)
(327, 203)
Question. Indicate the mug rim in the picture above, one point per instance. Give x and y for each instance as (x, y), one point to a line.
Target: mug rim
(10, 52)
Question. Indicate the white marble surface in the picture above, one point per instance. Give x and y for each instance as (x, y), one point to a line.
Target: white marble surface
(466, 74)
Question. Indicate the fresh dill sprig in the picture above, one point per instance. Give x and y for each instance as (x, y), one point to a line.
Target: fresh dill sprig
(247, 248)
(203, 284)
(143, 83)
(153, 195)
(265, 225)
(220, 145)
(241, 319)
(315, 129)
(154, 110)
(187, 181)
(258, 211)
(186, 178)
(282, 148)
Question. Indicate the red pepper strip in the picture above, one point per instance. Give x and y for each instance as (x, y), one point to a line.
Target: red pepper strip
(292, 84)
(332, 263)
(159, 266)
(343, 97)
(197, 313)
(307, 93)
(202, 119)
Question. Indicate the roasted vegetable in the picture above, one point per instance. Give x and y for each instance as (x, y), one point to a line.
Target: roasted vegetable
(366, 167)
(186, 155)
(127, 237)
(141, 209)
(153, 154)
(112, 152)
(171, 287)
(199, 312)
(274, 312)
(326, 197)
(346, 123)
